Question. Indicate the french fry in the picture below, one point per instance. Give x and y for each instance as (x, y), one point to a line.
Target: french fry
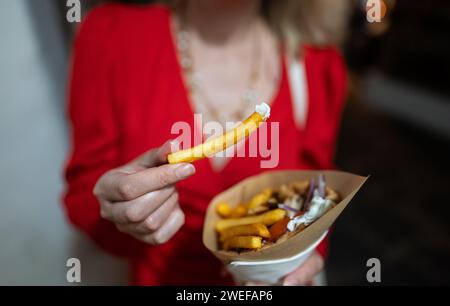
(267, 218)
(239, 211)
(242, 242)
(257, 229)
(260, 198)
(224, 210)
(257, 210)
(218, 144)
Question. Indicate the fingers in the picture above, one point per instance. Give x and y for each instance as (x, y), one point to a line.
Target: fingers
(159, 177)
(140, 208)
(162, 214)
(155, 220)
(169, 228)
(140, 197)
(305, 274)
(120, 187)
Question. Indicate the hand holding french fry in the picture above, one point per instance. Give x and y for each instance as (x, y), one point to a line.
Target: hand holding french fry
(140, 197)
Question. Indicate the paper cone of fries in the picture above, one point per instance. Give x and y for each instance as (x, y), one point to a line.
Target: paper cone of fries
(269, 264)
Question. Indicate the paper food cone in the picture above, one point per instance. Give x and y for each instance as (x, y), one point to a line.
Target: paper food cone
(345, 184)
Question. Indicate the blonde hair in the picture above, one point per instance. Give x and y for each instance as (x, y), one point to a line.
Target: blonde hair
(299, 22)
(312, 22)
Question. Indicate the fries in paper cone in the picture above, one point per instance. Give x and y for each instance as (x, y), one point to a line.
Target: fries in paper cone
(298, 210)
(287, 210)
(230, 138)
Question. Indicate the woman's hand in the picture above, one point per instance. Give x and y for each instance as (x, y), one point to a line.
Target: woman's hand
(303, 275)
(140, 198)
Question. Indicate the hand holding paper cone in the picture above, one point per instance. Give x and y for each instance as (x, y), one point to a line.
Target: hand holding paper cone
(224, 141)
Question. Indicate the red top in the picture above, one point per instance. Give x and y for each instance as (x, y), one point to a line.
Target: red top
(126, 91)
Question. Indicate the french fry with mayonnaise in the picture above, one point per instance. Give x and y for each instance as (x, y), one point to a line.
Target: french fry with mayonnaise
(220, 143)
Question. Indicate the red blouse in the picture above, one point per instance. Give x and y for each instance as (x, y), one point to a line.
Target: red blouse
(126, 91)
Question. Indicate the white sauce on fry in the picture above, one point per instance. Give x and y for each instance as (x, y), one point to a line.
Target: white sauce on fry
(263, 109)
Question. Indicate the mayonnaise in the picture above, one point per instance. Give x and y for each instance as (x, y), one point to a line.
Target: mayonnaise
(318, 207)
(263, 109)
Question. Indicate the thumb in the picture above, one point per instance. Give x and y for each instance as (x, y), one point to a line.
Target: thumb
(157, 156)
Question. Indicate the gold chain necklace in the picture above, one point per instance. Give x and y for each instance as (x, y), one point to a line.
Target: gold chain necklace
(194, 85)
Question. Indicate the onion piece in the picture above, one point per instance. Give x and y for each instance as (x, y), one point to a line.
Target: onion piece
(312, 186)
(287, 207)
(321, 185)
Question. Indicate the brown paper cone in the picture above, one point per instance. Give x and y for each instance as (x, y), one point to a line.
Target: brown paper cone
(345, 184)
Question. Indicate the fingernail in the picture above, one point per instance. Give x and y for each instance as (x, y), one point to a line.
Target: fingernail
(184, 171)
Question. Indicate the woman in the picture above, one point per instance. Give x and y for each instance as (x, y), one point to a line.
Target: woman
(139, 69)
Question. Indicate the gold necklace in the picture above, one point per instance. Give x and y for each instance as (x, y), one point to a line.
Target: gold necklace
(249, 95)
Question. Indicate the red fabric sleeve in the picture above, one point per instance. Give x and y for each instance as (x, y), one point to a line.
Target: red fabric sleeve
(327, 87)
(94, 131)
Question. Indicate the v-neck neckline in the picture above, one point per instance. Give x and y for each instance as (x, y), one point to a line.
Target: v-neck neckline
(187, 102)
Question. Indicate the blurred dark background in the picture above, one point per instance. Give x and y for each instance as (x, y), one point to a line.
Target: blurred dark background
(396, 128)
